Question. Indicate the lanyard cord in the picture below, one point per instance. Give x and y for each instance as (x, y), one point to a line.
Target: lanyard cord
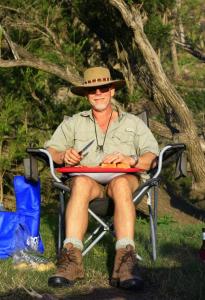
(101, 147)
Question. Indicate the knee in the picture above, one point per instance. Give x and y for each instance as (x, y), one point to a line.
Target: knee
(118, 185)
(82, 182)
(119, 181)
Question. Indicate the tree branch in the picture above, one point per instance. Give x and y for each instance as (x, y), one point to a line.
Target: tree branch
(195, 52)
(10, 43)
(40, 64)
(160, 129)
(9, 8)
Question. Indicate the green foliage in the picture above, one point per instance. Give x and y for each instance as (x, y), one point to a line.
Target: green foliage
(158, 33)
(156, 6)
(195, 100)
(137, 94)
(166, 220)
(13, 132)
(187, 60)
(153, 6)
(180, 187)
(115, 29)
(46, 29)
(192, 13)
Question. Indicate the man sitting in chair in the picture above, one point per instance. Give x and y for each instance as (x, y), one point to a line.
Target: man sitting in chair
(119, 137)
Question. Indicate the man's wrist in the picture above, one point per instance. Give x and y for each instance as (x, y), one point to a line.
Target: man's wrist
(135, 159)
(62, 156)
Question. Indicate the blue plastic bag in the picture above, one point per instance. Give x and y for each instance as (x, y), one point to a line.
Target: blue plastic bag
(8, 226)
(20, 229)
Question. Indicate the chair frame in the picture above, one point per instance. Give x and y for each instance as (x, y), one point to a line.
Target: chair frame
(169, 152)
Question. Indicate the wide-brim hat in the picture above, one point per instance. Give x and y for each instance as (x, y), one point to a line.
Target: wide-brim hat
(96, 76)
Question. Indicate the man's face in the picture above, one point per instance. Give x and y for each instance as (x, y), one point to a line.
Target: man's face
(100, 96)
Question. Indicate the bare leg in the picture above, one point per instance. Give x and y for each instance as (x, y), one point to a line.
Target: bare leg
(120, 190)
(84, 189)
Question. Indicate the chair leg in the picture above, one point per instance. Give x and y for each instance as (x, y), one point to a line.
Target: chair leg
(95, 241)
(155, 208)
(104, 227)
(61, 221)
(153, 233)
(152, 224)
(92, 235)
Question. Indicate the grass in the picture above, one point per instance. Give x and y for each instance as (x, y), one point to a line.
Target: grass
(177, 273)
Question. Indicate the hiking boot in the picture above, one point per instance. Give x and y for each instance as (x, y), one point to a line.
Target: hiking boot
(125, 273)
(69, 267)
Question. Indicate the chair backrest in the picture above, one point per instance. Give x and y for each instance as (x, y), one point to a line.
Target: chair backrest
(178, 156)
(143, 115)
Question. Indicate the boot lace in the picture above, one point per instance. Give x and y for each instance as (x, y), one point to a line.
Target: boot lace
(129, 258)
(66, 258)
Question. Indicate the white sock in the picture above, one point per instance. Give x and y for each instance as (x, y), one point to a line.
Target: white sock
(76, 242)
(122, 243)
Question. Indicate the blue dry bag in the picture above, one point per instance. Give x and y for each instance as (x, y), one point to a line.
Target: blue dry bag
(20, 229)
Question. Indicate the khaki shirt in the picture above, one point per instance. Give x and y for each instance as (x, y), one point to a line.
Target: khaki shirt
(128, 135)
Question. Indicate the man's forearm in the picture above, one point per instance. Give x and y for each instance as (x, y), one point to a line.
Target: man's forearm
(57, 156)
(146, 161)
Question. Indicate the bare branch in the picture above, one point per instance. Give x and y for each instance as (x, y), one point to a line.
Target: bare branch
(54, 38)
(9, 8)
(39, 64)
(195, 52)
(11, 44)
(28, 26)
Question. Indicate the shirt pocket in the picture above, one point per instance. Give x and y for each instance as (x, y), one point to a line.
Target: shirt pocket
(82, 138)
(125, 136)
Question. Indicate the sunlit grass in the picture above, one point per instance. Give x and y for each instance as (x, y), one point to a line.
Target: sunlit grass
(177, 273)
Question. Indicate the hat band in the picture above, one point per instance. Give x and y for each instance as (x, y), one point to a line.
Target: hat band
(97, 80)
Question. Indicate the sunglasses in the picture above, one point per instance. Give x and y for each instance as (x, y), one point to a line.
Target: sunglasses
(102, 89)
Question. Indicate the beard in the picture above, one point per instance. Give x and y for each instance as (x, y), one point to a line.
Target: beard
(99, 106)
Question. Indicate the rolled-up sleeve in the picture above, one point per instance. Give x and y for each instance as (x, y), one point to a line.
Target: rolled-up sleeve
(145, 140)
(63, 137)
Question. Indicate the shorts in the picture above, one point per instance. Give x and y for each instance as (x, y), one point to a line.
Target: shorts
(102, 178)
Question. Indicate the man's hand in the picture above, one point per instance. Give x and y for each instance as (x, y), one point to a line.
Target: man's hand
(72, 157)
(117, 157)
(145, 161)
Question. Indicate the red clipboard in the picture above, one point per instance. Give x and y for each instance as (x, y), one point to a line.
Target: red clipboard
(97, 169)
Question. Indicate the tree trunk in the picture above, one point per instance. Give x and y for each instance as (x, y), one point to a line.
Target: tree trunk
(183, 116)
(180, 24)
(174, 56)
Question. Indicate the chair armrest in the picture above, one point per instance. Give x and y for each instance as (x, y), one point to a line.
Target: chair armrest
(38, 154)
(43, 155)
(167, 155)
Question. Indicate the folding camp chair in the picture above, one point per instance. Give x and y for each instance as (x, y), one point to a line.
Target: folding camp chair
(100, 208)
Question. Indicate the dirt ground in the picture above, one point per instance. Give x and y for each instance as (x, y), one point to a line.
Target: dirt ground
(179, 209)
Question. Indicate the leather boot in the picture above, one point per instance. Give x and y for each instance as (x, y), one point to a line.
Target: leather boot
(69, 267)
(125, 273)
